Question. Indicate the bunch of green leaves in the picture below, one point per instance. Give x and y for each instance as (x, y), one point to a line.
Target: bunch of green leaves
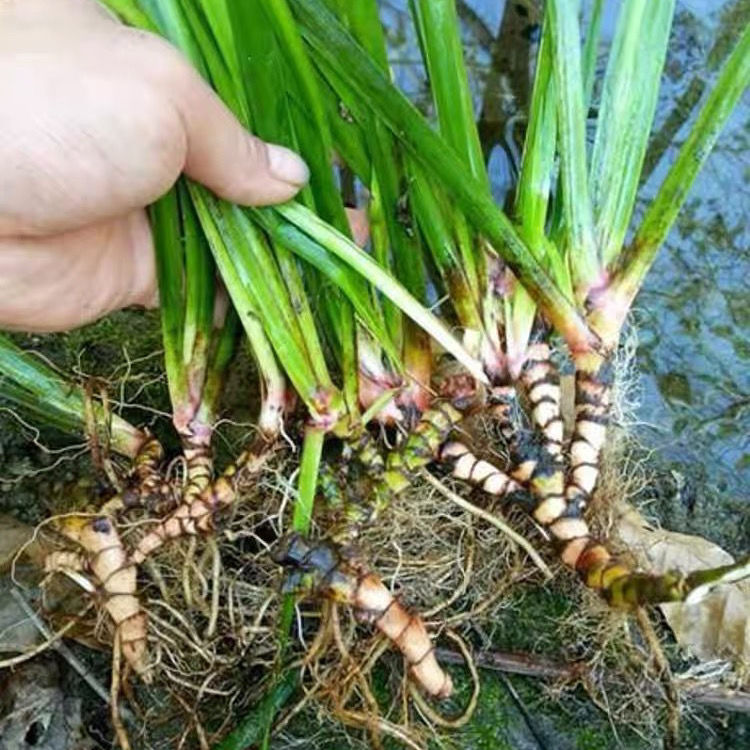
(251, 246)
(198, 339)
(567, 241)
(33, 386)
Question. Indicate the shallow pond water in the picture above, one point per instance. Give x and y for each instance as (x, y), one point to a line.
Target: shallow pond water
(692, 316)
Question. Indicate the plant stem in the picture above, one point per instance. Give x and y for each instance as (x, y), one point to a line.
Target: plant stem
(380, 278)
(312, 449)
(169, 253)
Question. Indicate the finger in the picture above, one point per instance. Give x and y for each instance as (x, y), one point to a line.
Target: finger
(67, 280)
(359, 223)
(81, 149)
(224, 156)
(86, 135)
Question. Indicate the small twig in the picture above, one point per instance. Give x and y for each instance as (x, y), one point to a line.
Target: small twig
(532, 666)
(492, 519)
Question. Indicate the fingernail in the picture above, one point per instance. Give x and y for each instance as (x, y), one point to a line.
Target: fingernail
(287, 166)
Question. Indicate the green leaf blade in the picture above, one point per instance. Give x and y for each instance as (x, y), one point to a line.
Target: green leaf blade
(576, 203)
(378, 277)
(330, 41)
(626, 113)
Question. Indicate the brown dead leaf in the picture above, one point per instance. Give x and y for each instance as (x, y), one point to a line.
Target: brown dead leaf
(718, 626)
(14, 534)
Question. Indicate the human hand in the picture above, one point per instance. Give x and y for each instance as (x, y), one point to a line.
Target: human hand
(97, 121)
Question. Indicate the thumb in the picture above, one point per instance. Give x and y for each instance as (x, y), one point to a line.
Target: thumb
(225, 157)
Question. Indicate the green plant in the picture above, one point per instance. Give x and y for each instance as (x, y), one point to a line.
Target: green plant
(348, 331)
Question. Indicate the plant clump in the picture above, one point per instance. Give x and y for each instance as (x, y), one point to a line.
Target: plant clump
(370, 514)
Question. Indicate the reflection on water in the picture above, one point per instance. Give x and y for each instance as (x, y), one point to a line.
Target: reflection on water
(694, 311)
(693, 314)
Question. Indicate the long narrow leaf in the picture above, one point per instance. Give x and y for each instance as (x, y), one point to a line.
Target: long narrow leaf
(317, 136)
(440, 40)
(533, 191)
(590, 49)
(200, 285)
(269, 81)
(578, 218)
(221, 353)
(391, 245)
(220, 63)
(440, 43)
(365, 265)
(439, 241)
(168, 245)
(236, 246)
(733, 80)
(337, 272)
(289, 107)
(629, 97)
(532, 201)
(347, 132)
(334, 45)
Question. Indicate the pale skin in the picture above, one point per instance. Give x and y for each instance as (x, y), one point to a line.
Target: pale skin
(97, 122)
